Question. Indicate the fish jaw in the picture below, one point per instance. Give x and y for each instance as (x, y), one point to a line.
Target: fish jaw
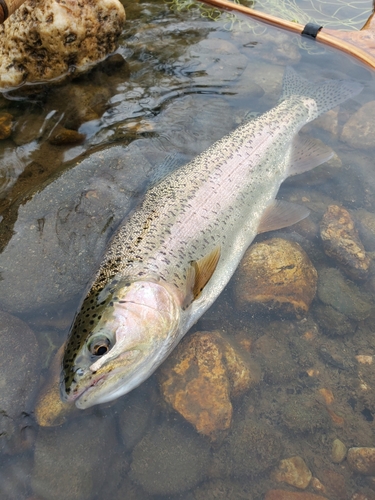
(141, 326)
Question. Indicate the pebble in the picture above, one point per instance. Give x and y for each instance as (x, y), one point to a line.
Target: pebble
(343, 295)
(201, 376)
(170, 459)
(45, 41)
(5, 125)
(275, 275)
(341, 242)
(359, 131)
(339, 451)
(291, 495)
(293, 471)
(362, 460)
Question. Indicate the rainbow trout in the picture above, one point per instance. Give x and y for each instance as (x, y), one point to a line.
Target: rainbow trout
(171, 258)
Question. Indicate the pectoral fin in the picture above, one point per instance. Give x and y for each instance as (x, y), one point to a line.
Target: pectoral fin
(199, 275)
(281, 214)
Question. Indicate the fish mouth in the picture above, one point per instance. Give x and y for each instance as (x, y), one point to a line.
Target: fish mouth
(81, 396)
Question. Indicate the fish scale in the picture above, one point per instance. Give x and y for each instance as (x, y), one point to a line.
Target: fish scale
(174, 254)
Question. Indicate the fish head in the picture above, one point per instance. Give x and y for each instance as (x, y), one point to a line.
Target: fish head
(123, 343)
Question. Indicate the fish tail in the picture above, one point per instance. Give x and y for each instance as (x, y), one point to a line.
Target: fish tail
(326, 94)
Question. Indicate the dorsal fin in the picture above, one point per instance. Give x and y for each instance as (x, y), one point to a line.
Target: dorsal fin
(199, 275)
(281, 214)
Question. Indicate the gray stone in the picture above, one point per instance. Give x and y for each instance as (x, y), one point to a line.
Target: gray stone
(18, 379)
(343, 295)
(169, 459)
(71, 461)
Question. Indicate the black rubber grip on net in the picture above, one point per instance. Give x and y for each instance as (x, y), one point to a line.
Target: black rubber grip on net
(311, 30)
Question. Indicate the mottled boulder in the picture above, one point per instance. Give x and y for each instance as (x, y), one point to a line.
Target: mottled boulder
(359, 130)
(19, 378)
(48, 40)
(201, 376)
(341, 242)
(275, 275)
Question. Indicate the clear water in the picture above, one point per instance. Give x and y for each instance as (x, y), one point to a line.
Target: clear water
(191, 81)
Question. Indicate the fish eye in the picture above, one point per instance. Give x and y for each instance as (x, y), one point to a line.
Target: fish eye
(99, 346)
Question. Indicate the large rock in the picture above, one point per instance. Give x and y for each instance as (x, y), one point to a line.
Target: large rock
(48, 40)
(275, 275)
(18, 379)
(62, 230)
(201, 376)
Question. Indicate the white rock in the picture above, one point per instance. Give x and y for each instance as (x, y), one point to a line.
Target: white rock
(48, 40)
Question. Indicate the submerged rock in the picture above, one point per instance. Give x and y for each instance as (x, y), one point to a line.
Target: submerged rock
(47, 40)
(275, 275)
(71, 461)
(18, 380)
(169, 459)
(251, 448)
(359, 130)
(339, 451)
(293, 471)
(365, 222)
(5, 125)
(62, 230)
(341, 242)
(201, 376)
(362, 460)
(291, 495)
(333, 322)
(344, 296)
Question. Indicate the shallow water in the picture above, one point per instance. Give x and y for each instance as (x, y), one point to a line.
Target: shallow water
(188, 81)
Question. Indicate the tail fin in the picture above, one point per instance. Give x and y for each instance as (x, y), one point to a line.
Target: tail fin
(326, 94)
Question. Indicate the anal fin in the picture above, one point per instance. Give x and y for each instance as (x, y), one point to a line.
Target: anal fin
(308, 153)
(281, 214)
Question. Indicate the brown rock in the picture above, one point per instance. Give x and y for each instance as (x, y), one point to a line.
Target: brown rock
(342, 243)
(200, 377)
(48, 40)
(362, 460)
(275, 275)
(359, 130)
(293, 471)
(65, 136)
(335, 484)
(5, 125)
(291, 495)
